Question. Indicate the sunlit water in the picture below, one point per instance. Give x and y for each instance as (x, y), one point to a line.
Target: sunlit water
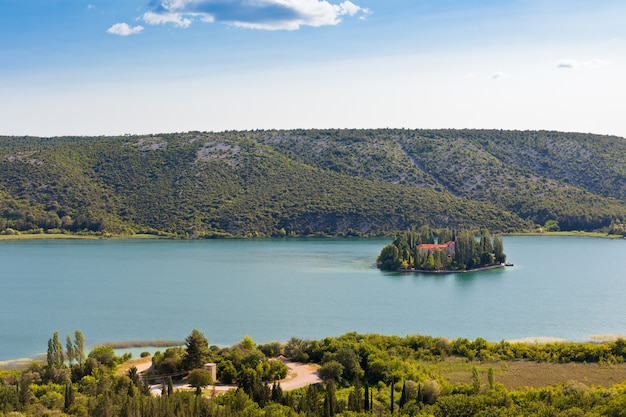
(565, 287)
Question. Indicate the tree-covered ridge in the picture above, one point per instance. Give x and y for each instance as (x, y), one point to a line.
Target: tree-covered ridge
(363, 374)
(311, 182)
(575, 179)
(455, 251)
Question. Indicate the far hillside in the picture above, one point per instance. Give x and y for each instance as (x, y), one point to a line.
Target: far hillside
(312, 182)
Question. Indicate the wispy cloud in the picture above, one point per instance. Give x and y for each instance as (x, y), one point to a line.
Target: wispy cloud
(573, 64)
(252, 14)
(498, 75)
(123, 29)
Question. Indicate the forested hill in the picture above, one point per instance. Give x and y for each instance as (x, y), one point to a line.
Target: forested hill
(308, 182)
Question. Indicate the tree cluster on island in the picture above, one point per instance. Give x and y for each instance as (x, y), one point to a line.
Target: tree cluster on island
(363, 374)
(416, 250)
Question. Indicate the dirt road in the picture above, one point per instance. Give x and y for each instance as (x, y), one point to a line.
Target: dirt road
(299, 375)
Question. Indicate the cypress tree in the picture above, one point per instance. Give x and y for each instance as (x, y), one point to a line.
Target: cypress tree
(69, 397)
(393, 385)
(366, 398)
(403, 399)
(277, 392)
(420, 395)
(330, 401)
(354, 398)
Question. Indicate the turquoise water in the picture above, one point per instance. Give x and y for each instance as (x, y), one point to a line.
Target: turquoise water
(112, 290)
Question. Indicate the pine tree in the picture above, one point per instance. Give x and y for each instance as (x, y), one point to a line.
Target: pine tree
(197, 350)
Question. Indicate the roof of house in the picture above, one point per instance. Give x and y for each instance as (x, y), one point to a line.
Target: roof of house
(432, 246)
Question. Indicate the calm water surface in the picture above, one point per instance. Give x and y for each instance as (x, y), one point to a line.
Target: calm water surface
(565, 287)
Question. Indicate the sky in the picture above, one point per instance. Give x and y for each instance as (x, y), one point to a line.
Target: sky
(114, 67)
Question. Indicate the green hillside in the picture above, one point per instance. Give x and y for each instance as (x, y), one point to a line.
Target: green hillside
(311, 182)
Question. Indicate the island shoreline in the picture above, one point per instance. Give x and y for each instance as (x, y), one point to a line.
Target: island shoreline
(451, 271)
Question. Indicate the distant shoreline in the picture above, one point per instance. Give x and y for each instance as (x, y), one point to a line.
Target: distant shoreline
(74, 236)
(79, 236)
(22, 363)
(573, 233)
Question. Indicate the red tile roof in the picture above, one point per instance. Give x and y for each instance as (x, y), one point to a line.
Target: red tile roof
(433, 246)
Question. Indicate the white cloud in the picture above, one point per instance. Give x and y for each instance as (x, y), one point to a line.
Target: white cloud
(573, 64)
(497, 75)
(123, 29)
(176, 19)
(252, 14)
(351, 9)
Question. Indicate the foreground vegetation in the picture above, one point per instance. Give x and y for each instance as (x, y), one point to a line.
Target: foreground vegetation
(311, 182)
(363, 374)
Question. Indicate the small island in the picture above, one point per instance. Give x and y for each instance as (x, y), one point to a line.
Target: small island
(453, 251)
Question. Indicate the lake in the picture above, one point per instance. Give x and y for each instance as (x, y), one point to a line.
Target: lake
(124, 290)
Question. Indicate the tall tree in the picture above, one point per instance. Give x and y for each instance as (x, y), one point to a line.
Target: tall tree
(498, 249)
(393, 388)
(464, 248)
(79, 347)
(277, 392)
(403, 396)
(197, 350)
(69, 397)
(54, 356)
(69, 349)
(354, 398)
(330, 400)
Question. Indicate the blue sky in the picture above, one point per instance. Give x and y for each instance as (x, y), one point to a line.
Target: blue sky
(108, 67)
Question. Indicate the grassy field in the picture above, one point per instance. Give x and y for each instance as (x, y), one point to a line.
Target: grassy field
(520, 374)
(124, 367)
(570, 233)
(512, 374)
